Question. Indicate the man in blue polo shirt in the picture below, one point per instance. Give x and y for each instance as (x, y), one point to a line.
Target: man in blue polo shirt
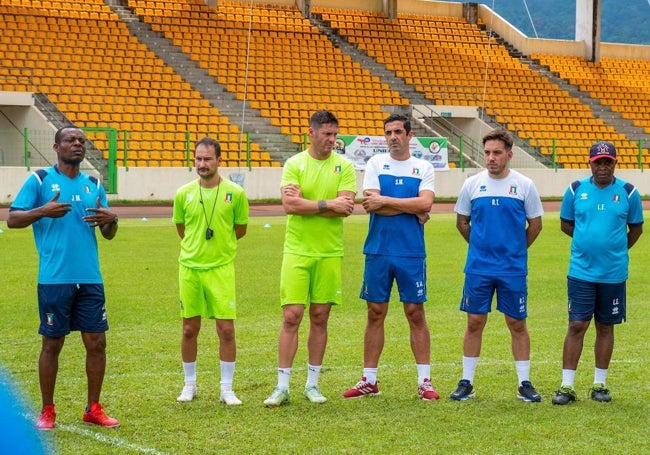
(499, 214)
(604, 217)
(64, 206)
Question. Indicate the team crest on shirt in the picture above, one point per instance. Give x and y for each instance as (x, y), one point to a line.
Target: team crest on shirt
(513, 190)
(337, 169)
(228, 197)
(415, 171)
(86, 189)
(616, 198)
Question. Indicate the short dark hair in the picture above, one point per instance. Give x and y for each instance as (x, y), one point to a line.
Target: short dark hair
(59, 132)
(502, 135)
(399, 118)
(209, 142)
(322, 117)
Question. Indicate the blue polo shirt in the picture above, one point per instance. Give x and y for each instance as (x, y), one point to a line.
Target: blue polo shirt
(67, 246)
(600, 217)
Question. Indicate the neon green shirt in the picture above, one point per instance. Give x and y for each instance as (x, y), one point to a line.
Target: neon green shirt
(315, 235)
(230, 208)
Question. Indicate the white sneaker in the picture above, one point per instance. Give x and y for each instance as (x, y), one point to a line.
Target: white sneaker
(229, 397)
(188, 393)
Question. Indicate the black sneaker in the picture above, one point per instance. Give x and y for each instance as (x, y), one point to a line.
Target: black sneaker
(565, 395)
(528, 393)
(464, 391)
(598, 392)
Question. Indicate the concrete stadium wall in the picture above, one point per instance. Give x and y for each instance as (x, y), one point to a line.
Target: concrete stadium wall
(160, 184)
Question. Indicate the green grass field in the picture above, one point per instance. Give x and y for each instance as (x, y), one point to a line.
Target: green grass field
(144, 373)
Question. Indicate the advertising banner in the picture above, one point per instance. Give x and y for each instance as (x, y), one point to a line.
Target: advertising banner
(359, 149)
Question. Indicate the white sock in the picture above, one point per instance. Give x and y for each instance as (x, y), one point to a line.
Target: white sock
(371, 375)
(568, 377)
(227, 373)
(469, 368)
(424, 372)
(313, 372)
(189, 368)
(523, 370)
(600, 376)
(284, 374)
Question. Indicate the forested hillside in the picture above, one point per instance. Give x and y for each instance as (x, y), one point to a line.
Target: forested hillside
(623, 21)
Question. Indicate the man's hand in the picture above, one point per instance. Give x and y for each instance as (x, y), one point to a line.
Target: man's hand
(372, 201)
(100, 216)
(55, 209)
(342, 205)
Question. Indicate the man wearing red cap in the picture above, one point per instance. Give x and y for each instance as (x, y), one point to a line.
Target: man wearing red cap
(604, 217)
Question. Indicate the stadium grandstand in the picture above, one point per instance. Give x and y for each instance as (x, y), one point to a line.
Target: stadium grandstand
(145, 79)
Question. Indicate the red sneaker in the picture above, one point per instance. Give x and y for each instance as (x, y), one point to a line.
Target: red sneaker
(427, 392)
(362, 389)
(97, 416)
(46, 419)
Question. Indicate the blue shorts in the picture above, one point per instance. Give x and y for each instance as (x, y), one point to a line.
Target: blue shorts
(604, 301)
(380, 272)
(67, 307)
(511, 291)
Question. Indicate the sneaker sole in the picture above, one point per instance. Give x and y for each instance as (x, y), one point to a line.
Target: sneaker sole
(274, 405)
(46, 429)
(365, 395)
(103, 426)
(465, 398)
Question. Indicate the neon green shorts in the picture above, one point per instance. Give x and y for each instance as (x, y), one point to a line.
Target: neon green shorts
(305, 280)
(207, 293)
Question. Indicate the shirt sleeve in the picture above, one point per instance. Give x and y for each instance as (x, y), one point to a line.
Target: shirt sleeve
(371, 176)
(464, 202)
(349, 178)
(566, 209)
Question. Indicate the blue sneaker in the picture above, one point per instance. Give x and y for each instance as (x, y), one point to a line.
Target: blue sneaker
(528, 393)
(464, 391)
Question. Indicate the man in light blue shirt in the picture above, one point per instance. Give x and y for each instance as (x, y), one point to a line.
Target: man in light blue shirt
(604, 217)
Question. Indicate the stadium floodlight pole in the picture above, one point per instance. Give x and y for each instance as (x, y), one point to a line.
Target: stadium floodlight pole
(238, 177)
